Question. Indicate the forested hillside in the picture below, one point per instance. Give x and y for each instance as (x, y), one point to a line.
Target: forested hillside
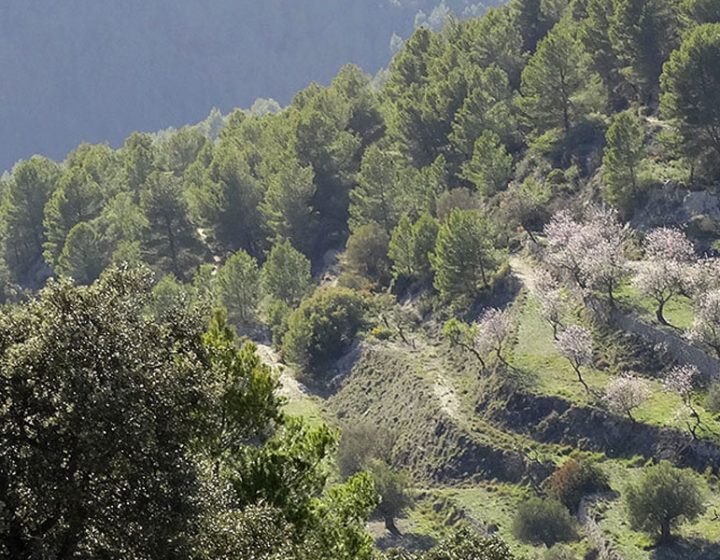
(95, 70)
(467, 310)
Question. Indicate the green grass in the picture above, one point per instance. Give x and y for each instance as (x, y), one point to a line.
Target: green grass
(308, 408)
(634, 545)
(678, 311)
(545, 371)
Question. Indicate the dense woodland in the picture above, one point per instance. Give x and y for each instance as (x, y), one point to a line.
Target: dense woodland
(504, 209)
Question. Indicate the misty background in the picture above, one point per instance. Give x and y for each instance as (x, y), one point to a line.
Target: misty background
(95, 70)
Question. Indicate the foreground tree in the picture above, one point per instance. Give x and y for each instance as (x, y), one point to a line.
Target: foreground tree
(100, 403)
(664, 497)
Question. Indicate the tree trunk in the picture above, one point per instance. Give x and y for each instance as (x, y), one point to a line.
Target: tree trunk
(659, 314)
(665, 536)
(390, 526)
(580, 378)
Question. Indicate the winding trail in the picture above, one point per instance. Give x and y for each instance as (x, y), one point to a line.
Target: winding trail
(290, 387)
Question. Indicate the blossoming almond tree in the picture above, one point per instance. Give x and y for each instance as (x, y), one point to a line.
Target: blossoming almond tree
(706, 323)
(681, 381)
(588, 253)
(576, 344)
(494, 328)
(626, 393)
(669, 254)
(552, 300)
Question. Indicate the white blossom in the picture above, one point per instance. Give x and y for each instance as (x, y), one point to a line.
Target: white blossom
(589, 253)
(681, 380)
(669, 244)
(626, 393)
(576, 344)
(662, 275)
(706, 323)
(494, 327)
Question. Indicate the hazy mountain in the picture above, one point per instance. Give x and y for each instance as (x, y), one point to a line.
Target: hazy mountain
(94, 70)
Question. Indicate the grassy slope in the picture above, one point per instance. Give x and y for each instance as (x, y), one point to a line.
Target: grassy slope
(425, 378)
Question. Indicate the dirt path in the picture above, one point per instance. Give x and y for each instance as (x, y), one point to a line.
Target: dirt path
(605, 547)
(448, 399)
(523, 271)
(290, 387)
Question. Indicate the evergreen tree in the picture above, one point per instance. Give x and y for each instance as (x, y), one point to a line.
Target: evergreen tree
(26, 195)
(377, 195)
(169, 242)
(643, 34)
(464, 257)
(623, 154)
(286, 273)
(77, 198)
(401, 248)
(138, 155)
(287, 204)
(227, 200)
(238, 287)
(82, 257)
(691, 89)
(490, 168)
(553, 80)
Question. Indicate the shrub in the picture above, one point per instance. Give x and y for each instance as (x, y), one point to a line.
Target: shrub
(543, 521)
(360, 443)
(366, 254)
(323, 327)
(465, 544)
(575, 479)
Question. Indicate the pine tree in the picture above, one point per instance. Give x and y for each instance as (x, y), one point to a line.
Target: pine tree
(238, 287)
(82, 257)
(490, 168)
(464, 257)
(552, 81)
(286, 273)
(623, 154)
(169, 242)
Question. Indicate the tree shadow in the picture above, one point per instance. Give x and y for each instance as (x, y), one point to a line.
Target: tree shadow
(693, 548)
(409, 541)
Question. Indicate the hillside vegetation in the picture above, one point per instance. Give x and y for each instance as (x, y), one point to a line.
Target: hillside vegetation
(467, 311)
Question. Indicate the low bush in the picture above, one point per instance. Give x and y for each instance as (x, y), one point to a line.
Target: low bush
(575, 479)
(543, 521)
(323, 327)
